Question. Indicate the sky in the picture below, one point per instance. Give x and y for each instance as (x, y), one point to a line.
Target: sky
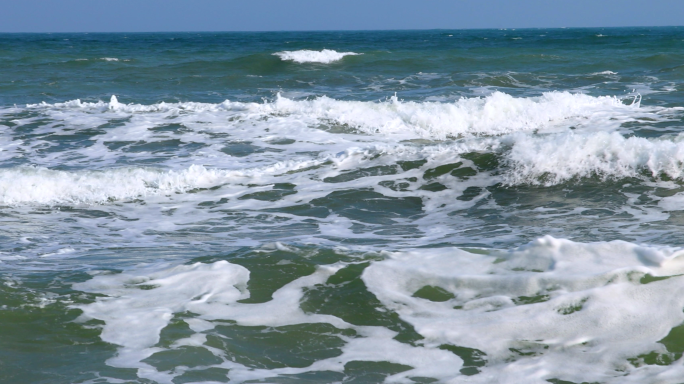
(305, 15)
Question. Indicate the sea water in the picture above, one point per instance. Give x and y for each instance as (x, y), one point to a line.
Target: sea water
(483, 206)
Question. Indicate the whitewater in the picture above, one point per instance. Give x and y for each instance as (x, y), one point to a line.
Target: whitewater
(359, 207)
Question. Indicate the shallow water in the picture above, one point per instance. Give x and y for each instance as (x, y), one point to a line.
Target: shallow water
(424, 206)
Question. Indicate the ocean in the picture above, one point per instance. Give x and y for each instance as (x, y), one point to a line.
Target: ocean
(445, 206)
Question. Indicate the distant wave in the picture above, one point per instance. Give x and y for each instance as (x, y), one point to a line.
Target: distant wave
(325, 56)
(103, 59)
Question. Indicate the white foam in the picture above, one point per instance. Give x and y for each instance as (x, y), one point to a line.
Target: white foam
(160, 152)
(495, 114)
(593, 316)
(140, 305)
(529, 158)
(593, 311)
(44, 186)
(33, 185)
(145, 303)
(552, 159)
(325, 56)
(672, 203)
(141, 302)
(114, 103)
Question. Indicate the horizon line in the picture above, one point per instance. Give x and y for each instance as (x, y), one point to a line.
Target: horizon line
(348, 30)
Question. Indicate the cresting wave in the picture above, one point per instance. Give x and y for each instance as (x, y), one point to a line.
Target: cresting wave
(495, 114)
(33, 185)
(542, 160)
(545, 140)
(28, 185)
(554, 159)
(325, 56)
(522, 159)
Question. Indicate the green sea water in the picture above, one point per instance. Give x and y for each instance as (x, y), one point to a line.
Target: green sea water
(437, 206)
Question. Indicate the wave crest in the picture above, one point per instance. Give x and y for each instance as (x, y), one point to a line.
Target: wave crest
(554, 159)
(325, 56)
(496, 114)
(34, 185)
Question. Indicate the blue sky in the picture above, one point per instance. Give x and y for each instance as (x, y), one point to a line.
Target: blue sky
(276, 15)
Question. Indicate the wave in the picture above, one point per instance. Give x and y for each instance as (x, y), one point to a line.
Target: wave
(34, 185)
(524, 159)
(325, 56)
(495, 114)
(45, 186)
(553, 159)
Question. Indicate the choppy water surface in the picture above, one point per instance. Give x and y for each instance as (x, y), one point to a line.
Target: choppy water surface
(360, 207)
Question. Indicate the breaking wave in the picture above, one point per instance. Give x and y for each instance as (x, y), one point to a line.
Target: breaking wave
(496, 114)
(553, 159)
(34, 185)
(325, 56)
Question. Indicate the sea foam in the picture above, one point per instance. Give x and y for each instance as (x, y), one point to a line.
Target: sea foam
(34, 185)
(141, 302)
(548, 139)
(539, 312)
(545, 310)
(325, 56)
(495, 114)
(552, 159)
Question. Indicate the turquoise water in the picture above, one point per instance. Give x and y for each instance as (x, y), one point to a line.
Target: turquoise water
(359, 207)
